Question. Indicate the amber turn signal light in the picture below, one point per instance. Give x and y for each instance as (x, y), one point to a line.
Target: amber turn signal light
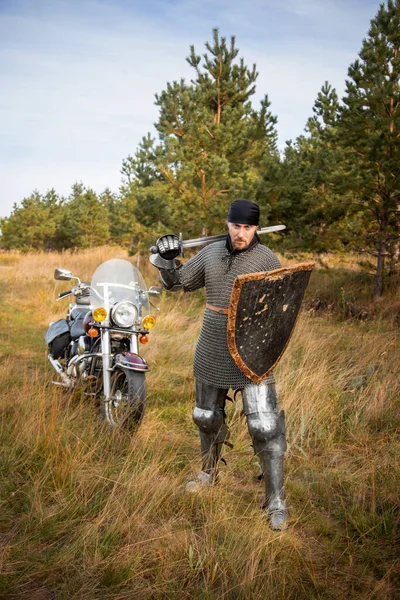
(93, 332)
(143, 339)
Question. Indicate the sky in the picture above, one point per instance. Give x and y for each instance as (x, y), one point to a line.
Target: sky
(78, 77)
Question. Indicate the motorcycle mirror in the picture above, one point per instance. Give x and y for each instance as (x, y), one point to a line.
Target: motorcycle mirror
(62, 274)
(154, 291)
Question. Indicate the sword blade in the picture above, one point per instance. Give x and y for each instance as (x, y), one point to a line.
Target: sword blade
(217, 238)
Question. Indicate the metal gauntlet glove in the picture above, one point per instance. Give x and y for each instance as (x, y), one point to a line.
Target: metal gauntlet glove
(168, 246)
(163, 258)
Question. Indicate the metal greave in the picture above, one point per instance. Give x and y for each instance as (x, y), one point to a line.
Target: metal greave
(211, 448)
(209, 416)
(273, 472)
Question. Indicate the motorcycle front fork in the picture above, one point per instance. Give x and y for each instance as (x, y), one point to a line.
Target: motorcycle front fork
(106, 357)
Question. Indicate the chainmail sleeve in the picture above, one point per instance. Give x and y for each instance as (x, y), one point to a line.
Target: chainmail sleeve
(192, 273)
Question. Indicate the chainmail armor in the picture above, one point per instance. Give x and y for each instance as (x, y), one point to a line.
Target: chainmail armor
(214, 268)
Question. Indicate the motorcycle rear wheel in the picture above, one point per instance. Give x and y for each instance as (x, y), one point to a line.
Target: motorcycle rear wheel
(128, 392)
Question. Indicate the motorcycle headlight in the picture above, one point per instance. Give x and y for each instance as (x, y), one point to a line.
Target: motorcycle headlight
(124, 314)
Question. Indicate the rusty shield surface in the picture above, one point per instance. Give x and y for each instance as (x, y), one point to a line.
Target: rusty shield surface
(262, 314)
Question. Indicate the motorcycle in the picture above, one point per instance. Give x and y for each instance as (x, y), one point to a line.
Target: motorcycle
(97, 345)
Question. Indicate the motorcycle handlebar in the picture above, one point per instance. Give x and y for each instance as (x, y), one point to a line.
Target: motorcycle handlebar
(62, 294)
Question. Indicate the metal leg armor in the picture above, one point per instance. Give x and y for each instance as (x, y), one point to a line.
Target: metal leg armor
(209, 416)
(267, 429)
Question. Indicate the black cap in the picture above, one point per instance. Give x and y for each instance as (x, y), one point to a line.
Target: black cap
(244, 212)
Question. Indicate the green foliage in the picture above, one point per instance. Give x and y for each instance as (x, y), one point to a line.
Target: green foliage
(339, 184)
(308, 201)
(50, 222)
(211, 145)
(143, 198)
(370, 133)
(33, 224)
(84, 220)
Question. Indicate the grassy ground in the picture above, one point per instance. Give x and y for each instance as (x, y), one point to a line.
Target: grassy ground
(90, 514)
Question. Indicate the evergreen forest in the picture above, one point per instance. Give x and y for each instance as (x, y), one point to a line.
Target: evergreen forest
(336, 187)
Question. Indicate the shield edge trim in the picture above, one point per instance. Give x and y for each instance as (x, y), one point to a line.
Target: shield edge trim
(237, 286)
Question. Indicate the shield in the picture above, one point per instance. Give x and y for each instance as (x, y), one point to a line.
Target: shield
(262, 314)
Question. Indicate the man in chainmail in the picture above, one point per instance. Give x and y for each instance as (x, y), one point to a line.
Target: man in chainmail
(216, 267)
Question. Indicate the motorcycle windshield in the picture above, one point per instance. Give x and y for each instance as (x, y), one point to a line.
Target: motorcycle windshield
(116, 280)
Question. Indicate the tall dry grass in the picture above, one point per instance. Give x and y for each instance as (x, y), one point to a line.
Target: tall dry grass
(91, 514)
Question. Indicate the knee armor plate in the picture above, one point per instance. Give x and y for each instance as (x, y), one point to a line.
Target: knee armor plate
(209, 421)
(264, 427)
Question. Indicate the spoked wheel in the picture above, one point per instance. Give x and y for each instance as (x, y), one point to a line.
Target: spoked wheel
(126, 407)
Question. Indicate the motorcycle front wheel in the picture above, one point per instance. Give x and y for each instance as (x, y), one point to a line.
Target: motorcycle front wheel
(126, 407)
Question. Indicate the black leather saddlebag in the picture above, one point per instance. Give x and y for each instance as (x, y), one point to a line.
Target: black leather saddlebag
(57, 337)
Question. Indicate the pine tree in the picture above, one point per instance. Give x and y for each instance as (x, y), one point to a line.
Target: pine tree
(143, 198)
(307, 199)
(326, 203)
(84, 220)
(32, 224)
(119, 218)
(211, 144)
(370, 132)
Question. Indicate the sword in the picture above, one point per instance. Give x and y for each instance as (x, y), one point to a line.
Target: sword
(172, 251)
(202, 241)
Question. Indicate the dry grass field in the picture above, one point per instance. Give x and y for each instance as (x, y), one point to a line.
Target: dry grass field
(91, 514)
